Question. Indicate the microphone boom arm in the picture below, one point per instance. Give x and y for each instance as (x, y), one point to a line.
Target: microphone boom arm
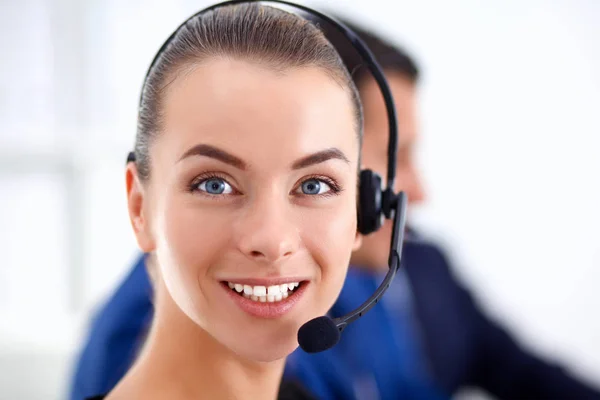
(393, 262)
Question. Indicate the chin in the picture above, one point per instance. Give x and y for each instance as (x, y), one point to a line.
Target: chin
(265, 351)
(259, 341)
(272, 355)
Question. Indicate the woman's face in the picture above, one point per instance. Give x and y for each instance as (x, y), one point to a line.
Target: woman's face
(252, 188)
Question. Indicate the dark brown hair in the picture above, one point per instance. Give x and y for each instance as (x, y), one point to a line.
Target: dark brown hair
(251, 31)
(390, 56)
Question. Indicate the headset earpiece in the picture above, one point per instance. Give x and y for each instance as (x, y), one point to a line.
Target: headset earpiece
(370, 202)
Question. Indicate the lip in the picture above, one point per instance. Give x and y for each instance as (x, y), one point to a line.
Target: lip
(265, 281)
(266, 310)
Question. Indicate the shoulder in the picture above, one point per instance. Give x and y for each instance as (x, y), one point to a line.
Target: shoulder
(131, 301)
(421, 251)
(428, 265)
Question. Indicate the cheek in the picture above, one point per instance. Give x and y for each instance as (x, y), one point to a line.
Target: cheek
(329, 239)
(192, 239)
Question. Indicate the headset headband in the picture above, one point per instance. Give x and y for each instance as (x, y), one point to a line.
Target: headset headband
(365, 54)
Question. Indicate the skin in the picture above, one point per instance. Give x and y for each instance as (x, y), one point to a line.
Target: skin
(263, 224)
(374, 251)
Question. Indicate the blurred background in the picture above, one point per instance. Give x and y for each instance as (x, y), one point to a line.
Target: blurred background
(510, 124)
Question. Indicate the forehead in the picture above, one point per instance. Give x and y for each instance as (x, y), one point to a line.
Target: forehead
(257, 111)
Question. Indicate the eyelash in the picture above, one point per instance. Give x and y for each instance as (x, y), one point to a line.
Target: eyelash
(193, 187)
(195, 184)
(335, 189)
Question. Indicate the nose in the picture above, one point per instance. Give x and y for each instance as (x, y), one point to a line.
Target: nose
(267, 231)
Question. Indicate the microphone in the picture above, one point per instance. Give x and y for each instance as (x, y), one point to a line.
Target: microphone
(322, 333)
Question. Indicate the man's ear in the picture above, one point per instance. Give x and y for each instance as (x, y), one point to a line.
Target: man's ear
(137, 205)
(357, 241)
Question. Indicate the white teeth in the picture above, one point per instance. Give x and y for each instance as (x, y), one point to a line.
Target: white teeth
(260, 291)
(273, 290)
(265, 294)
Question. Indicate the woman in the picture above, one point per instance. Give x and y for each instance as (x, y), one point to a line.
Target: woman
(250, 215)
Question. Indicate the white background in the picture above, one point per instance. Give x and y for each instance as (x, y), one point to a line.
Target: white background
(510, 111)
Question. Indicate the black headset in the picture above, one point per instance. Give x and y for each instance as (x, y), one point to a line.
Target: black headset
(374, 204)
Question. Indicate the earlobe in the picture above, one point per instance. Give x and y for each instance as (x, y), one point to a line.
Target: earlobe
(137, 206)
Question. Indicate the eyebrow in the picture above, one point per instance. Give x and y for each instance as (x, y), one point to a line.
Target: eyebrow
(207, 150)
(320, 157)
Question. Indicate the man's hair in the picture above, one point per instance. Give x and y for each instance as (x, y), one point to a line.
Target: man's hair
(391, 57)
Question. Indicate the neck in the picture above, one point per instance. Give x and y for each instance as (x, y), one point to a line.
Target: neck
(182, 361)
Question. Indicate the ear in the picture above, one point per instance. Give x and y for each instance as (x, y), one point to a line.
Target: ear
(357, 241)
(138, 207)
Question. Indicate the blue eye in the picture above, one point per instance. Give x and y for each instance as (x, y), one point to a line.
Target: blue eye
(215, 186)
(314, 187)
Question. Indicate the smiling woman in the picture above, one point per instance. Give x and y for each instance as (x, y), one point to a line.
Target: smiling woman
(244, 191)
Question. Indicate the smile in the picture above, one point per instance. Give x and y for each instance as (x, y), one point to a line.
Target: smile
(265, 294)
(265, 299)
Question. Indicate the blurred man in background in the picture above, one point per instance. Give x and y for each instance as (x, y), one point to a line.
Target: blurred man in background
(427, 339)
